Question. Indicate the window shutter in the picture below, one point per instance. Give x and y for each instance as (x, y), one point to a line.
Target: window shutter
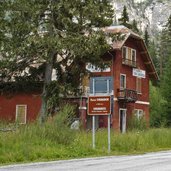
(21, 114)
(138, 85)
(122, 81)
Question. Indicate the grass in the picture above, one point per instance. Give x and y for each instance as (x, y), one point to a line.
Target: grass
(54, 140)
(26, 145)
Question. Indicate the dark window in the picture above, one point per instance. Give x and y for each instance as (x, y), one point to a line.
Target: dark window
(122, 81)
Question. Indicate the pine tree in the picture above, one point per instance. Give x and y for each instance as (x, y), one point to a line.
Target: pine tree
(135, 27)
(124, 20)
(166, 64)
(146, 38)
(157, 107)
(51, 35)
(166, 90)
(165, 44)
(153, 50)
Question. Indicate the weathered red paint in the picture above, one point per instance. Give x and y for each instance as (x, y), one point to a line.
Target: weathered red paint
(8, 106)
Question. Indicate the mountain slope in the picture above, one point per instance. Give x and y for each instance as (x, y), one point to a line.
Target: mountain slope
(148, 13)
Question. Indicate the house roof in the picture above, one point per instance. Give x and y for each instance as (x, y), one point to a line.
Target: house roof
(124, 34)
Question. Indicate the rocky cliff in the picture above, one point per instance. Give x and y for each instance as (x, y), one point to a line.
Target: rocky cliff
(148, 13)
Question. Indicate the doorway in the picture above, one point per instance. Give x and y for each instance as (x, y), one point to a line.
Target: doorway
(122, 120)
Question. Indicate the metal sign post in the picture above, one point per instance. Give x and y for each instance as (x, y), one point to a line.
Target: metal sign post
(93, 131)
(109, 133)
(93, 120)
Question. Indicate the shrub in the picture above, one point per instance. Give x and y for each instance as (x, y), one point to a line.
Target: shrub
(58, 129)
(137, 123)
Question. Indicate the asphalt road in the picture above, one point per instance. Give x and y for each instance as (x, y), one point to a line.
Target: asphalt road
(159, 161)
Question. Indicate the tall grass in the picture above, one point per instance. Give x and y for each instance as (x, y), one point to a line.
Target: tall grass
(55, 140)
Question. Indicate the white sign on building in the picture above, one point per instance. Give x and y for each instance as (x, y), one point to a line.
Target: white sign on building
(93, 68)
(139, 73)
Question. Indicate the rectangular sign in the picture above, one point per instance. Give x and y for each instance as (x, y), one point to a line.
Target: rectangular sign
(93, 68)
(99, 105)
(138, 73)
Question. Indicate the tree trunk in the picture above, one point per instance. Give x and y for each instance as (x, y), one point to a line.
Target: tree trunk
(47, 81)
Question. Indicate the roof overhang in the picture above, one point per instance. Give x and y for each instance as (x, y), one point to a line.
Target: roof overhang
(118, 44)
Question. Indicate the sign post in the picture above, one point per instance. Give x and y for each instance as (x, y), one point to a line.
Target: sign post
(99, 105)
(109, 133)
(93, 131)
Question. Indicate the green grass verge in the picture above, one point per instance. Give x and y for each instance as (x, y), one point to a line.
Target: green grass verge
(31, 143)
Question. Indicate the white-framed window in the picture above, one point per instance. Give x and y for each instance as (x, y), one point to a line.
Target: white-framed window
(101, 85)
(139, 113)
(122, 81)
(129, 56)
(139, 85)
(21, 114)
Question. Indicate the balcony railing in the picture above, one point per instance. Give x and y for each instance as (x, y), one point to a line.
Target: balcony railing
(127, 95)
(129, 62)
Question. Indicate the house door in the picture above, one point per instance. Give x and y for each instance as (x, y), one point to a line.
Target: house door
(122, 120)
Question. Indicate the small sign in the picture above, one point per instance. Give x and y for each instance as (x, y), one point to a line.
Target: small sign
(93, 68)
(99, 105)
(138, 73)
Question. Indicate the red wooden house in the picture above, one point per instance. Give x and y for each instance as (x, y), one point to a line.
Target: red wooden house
(129, 76)
(126, 80)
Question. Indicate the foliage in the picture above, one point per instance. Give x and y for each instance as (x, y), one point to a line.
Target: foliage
(166, 90)
(153, 51)
(135, 123)
(124, 20)
(38, 37)
(160, 108)
(157, 107)
(11, 88)
(146, 38)
(40, 148)
(165, 59)
(164, 48)
(134, 26)
(58, 127)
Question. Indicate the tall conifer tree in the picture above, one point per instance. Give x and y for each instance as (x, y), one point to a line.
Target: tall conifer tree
(165, 80)
(124, 20)
(165, 44)
(38, 36)
(135, 27)
(146, 38)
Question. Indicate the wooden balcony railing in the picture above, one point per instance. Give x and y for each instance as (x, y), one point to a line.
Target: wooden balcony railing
(129, 62)
(127, 95)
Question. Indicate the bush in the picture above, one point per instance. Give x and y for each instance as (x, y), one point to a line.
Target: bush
(158, 106)
(137, 123)
(58, 129)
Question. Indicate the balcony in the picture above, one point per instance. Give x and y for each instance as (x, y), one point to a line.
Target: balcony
(129, 62)
(127, 96)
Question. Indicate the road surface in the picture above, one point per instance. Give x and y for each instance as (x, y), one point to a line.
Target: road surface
(159, 161)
